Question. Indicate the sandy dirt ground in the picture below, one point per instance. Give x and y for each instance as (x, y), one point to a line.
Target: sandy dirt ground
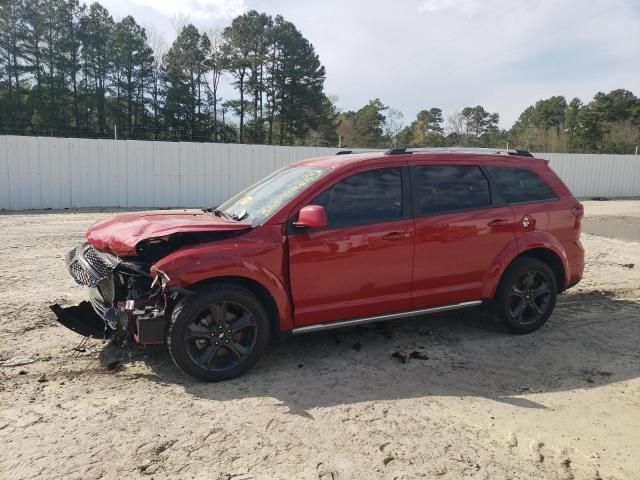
(561, 403)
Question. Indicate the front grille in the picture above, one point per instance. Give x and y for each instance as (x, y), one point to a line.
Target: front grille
(88, 266)
(80, 275)
(96, 261)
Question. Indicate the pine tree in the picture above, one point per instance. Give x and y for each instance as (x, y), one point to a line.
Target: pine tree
(97, 38)
(185, 65)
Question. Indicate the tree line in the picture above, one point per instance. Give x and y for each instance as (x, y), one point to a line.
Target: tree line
(610, 123)
(68, 69)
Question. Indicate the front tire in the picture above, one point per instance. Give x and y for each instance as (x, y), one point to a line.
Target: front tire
(526, 295)
(219, 334)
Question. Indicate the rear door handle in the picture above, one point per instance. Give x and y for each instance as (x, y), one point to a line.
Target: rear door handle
(395, 236)
(498, 221)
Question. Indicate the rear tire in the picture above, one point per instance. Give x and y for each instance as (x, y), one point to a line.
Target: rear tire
(218, 334)
(526, 295)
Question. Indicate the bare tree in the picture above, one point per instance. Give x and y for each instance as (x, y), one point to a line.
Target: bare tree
(393, 126)
(159, 46)
(456, 126)
(216, 64)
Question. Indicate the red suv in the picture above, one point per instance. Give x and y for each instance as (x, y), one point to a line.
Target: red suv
(333, 242)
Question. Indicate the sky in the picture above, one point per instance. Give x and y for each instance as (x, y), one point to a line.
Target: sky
(416, 54)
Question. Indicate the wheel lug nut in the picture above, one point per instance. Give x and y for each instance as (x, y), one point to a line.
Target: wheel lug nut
(228, 331)
(226, 341)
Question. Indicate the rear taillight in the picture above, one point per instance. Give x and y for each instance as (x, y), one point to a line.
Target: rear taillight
(578, 210)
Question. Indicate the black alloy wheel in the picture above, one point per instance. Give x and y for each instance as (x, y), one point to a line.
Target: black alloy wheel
(219, 334)
(529, 298)
(526, 295)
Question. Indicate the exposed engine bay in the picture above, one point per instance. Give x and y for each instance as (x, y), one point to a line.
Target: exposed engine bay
(124, 300)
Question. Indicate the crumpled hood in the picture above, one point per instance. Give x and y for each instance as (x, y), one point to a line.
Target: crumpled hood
(119, 235)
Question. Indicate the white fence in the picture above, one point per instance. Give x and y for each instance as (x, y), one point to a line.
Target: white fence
(40, 172)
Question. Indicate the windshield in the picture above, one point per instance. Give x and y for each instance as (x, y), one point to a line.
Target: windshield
(262, 199)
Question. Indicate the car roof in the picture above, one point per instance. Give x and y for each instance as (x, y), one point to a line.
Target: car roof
(345, 159)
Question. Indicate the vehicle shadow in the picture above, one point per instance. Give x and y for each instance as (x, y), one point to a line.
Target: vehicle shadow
(591, 340)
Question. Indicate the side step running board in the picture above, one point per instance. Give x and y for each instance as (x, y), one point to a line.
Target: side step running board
(382, 318)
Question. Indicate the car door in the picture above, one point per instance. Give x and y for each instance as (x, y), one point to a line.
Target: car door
(459, 233)
(361, 264)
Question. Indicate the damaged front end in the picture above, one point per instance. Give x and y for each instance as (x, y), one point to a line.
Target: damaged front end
(124, 301)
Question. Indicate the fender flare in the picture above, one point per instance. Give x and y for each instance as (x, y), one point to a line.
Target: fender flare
(184, 274)
(519, 246)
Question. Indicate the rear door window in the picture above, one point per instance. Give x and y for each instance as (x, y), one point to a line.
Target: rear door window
(448, 188)
(519, 185)
(368, 197)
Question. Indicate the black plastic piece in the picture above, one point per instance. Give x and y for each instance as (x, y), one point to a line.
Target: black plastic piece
(82, 319)
(151, 329)
(344, 152)
(181, 291)
(522, 153)
(396, 151)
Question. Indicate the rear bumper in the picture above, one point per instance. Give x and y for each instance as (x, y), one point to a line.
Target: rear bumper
(576, 271)
(575, 259)
(572, 284)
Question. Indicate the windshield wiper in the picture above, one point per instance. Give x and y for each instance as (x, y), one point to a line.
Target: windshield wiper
(218, 213)
(240, 216)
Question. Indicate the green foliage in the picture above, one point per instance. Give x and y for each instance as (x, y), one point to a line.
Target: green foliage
(67, 69)
(610, 123)
(426, 130)
(185, 65)
(364, 128)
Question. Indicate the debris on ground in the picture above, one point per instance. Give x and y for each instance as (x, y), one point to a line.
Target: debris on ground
(18, 361)
(460, 364)
(418, 355)
(629, 265)
(43, 378)
(402, 355)
(357, 346)
(600, 199)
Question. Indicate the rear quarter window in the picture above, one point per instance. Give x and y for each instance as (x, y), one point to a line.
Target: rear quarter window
(519, 185)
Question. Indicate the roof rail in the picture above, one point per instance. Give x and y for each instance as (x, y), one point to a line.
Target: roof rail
(359, 150)
(486, 151)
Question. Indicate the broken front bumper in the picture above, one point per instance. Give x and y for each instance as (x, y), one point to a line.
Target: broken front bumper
(119, 305)
(83, 320)
(93, 269)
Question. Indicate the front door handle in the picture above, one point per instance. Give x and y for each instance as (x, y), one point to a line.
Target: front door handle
(395, 236)
(498, 221)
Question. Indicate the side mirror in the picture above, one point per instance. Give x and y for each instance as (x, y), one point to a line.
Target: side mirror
(312, 216)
